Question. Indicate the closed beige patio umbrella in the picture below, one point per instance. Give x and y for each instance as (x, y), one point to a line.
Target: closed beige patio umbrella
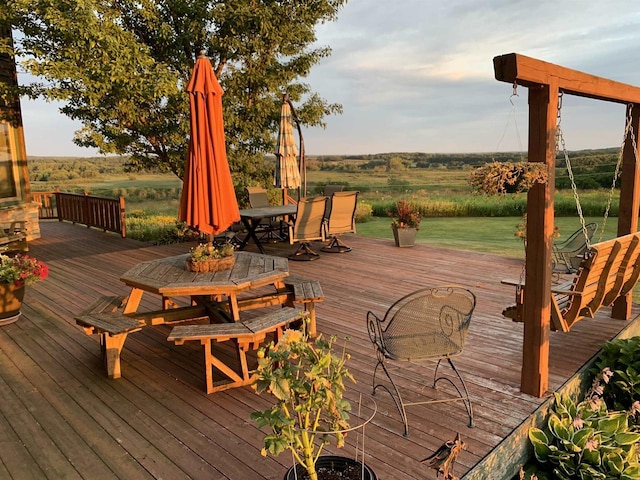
(288, 170)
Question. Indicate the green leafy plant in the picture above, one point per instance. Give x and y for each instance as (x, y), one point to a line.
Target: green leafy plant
(307, 379)
(22, 269)
(622, 357)
(208, 251)
(585, 440)
(405, 215)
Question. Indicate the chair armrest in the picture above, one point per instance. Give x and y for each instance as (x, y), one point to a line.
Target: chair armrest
(516, 283)
(375, 330)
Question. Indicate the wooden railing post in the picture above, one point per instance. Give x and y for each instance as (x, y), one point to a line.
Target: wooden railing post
(123, 226)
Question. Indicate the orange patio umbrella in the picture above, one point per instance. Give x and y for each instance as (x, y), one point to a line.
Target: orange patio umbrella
(208, 201)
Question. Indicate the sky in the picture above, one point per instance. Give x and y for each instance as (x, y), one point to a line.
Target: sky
(417, 76)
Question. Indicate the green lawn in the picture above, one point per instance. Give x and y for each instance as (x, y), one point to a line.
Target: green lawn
(482, 234)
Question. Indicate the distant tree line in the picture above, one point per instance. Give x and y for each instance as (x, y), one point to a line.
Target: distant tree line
(592, 169)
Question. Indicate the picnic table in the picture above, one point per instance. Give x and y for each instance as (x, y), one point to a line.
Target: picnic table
(168, 277)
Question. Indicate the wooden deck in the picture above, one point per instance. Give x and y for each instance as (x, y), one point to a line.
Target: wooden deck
(61, 417)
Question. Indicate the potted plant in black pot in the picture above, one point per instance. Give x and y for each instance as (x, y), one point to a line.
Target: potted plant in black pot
(405, 223)
(307, 380)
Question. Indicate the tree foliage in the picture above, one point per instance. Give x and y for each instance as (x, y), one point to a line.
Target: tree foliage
(121, 67)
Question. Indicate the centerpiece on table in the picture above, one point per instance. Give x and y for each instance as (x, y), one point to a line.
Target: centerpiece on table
(16, 272)
(307, 380)
(207, 257)
(405, 223)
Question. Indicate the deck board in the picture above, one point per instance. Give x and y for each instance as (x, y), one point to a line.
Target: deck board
(61, 417)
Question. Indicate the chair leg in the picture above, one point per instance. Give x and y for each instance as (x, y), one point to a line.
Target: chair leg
(397, 398)
(464, 397)
(336, 246)
(304, 253)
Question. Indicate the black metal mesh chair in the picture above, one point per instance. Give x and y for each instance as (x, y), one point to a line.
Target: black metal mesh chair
(429, 324)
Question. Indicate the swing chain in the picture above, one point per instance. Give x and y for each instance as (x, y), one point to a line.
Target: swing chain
(574, 189)
(628, 131)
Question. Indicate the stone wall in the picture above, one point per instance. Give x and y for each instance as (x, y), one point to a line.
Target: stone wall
(26, 212)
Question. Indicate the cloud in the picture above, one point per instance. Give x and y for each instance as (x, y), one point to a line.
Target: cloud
(418, 76)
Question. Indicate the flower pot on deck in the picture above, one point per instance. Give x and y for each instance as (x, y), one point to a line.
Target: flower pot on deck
(334, 467)
(11, 297)
(404, 237)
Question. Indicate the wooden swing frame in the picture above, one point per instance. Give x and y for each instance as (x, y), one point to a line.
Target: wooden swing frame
(544, 82)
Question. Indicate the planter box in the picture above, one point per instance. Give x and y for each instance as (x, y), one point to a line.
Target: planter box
(404, 237)
(504, 461)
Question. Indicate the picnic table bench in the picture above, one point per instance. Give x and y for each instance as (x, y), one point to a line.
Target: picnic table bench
(14, 235)
(248, 335)
(106, 318)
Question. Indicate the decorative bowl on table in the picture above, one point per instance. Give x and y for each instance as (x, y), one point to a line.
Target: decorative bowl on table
(209, 258)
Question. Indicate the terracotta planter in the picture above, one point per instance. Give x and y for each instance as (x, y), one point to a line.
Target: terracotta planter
(10, 302)
(339, 465)
(404, 237)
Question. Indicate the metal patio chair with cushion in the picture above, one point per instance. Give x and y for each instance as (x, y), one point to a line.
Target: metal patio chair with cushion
(308, 226)
(271, 228)
(568, 254)
(429, 324)
(341, 219)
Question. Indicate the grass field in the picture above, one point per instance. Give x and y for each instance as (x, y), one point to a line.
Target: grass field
(152, 204)
(491, 235)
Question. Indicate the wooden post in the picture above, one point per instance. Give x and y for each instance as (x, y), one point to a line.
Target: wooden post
(543, 105)
(123, 222)
(629, 201)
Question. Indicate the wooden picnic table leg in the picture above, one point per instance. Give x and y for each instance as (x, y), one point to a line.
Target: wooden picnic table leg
(133, 302)
(111, 346)
(234, 309)
(211, 361)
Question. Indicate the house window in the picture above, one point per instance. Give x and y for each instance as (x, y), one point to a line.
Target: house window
(8, 187)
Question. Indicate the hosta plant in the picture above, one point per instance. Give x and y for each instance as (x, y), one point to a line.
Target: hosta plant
(622, 357)
(585, 440)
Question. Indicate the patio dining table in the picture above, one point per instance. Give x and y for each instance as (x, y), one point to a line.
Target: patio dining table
(251, 218)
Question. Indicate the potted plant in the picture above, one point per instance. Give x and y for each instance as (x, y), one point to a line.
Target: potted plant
(307, 380)
(405, 222)
(17, 271)
(206, 257)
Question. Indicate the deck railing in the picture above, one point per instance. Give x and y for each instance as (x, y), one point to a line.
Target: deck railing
(99, 212)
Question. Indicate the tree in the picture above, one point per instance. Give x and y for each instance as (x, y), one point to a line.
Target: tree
(121, 67)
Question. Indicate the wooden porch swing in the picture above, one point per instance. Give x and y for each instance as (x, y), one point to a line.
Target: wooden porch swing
(608, 270)
(608, 273)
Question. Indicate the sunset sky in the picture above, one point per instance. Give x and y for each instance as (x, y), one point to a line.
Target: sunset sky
(416, 75)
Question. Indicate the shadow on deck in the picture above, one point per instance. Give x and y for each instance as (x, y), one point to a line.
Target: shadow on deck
(61, 417)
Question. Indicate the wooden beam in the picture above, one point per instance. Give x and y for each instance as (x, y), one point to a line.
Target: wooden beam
(543, 105)
(528, 72)
(629, 203)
